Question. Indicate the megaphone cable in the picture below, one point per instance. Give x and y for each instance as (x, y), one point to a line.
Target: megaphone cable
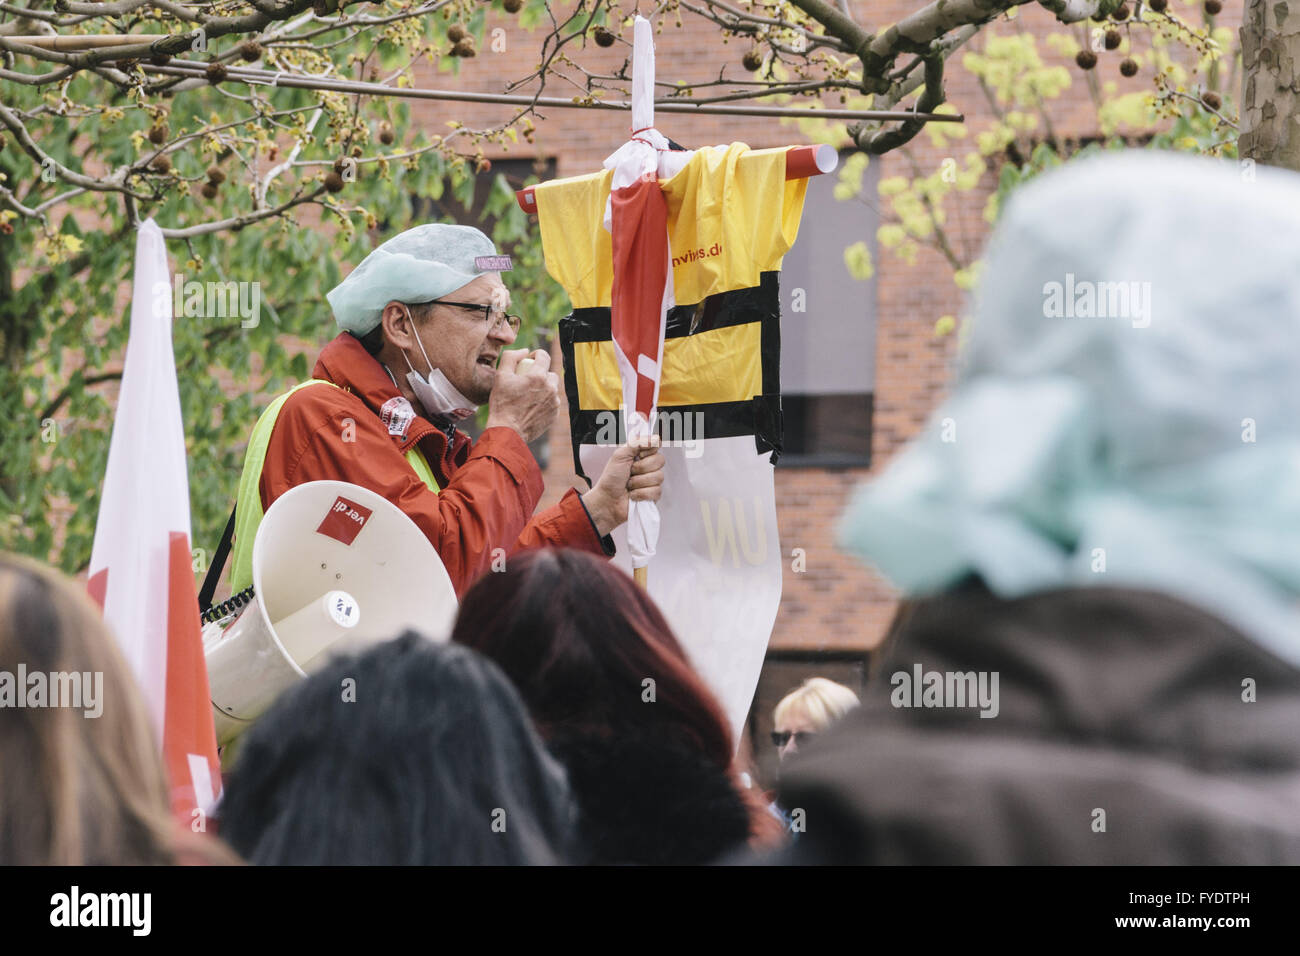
(227, 608)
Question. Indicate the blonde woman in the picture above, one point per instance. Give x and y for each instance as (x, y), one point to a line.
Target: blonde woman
(806, 711)
(91, 789)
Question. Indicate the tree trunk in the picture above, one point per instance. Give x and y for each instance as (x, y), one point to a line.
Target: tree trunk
(1270, 83)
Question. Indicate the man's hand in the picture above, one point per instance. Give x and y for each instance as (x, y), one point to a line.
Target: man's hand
(634, 473)
(525, 400)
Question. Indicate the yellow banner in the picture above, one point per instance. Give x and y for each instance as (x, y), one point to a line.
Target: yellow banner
(720, 365)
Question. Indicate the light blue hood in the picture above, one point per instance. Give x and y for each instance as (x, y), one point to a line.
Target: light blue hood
(1161, 444)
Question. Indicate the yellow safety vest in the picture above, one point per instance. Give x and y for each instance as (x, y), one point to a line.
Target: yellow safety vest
(248, 502)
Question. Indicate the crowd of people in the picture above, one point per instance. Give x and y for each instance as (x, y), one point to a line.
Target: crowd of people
(1106, 547)
(563, 723)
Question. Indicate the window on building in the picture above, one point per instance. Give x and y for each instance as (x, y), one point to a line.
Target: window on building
(828, 330)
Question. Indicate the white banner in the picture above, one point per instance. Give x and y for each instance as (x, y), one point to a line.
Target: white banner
(717, 571)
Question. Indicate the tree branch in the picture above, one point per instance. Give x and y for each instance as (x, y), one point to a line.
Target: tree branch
(854, 36)
(239, 222)
(66, 392)
(114, 183)
(885, 140)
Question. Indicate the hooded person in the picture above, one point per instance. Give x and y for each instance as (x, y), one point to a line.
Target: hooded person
(424, 327)
(1097, 660)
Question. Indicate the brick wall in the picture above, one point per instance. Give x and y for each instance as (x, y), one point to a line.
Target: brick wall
(836, 604)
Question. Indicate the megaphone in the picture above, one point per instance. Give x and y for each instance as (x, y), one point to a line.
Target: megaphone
(336, 568)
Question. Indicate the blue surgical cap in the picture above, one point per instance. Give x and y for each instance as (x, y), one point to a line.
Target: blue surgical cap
(419, 265)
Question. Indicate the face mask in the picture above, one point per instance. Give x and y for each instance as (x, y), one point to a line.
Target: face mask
(439, 397)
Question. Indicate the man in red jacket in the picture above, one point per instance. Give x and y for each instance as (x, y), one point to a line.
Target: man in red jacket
(425, 325)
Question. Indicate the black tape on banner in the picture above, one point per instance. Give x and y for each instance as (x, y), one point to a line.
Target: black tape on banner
(759, 416)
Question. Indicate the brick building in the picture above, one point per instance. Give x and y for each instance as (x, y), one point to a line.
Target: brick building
(863, 368)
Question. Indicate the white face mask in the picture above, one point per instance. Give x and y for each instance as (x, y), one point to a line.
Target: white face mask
(439, 397)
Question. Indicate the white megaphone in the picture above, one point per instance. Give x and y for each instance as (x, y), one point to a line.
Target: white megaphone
(336, 568)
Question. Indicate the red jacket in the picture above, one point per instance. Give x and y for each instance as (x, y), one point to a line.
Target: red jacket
(488, 492)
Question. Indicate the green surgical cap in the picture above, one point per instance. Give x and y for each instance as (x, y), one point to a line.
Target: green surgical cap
(1127, 412)
(419, 265)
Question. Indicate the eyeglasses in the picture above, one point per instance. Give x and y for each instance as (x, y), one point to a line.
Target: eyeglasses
(511, 320)
(781, 737)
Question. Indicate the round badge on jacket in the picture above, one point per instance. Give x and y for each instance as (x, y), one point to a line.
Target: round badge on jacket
(397, 415)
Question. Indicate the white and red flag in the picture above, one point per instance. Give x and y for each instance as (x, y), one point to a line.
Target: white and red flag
(670, 258)
(642, 293)
(140, 565)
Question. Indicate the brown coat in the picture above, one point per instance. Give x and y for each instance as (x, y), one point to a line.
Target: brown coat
(1127, 702)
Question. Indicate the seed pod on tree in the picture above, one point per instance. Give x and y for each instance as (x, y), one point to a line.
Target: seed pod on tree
(1128, 66)
(1213, 7)
(158, 134)
(386, 135)
(1113, 39)
(161, 164)
(1211, 99)
(216, 73)
(752, 60)
(250, 51)
(1158, 6)
(1122, 12)
(456, 32)
(215, 175)
(209, 190)
(1085, 59)
(333, 182)
(464, 48)
(512, 6)
(603, 37)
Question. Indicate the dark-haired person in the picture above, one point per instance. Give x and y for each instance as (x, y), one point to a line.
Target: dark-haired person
(83, 782)
(411, 753)
(647, 746)
(424, 328)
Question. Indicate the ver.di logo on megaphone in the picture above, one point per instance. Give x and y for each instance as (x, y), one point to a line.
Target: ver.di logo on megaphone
(345, 520)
